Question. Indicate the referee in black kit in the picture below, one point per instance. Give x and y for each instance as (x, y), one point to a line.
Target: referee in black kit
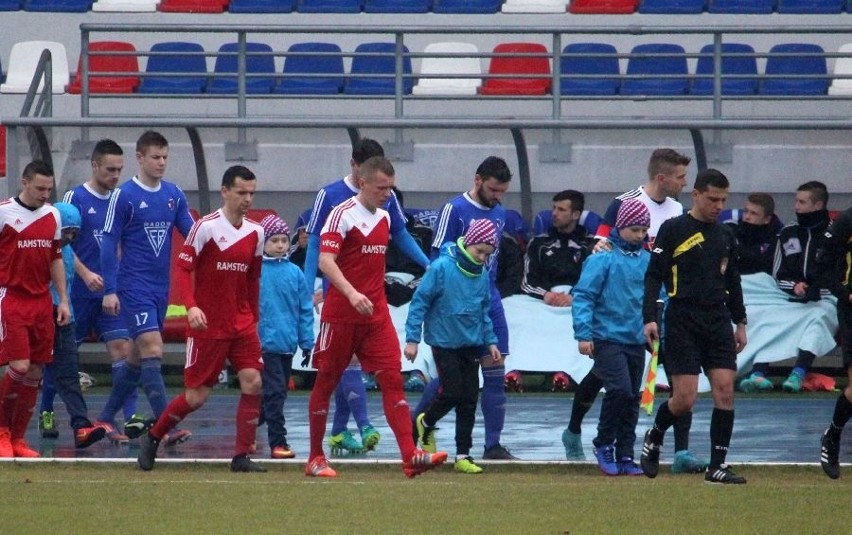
(694, 256)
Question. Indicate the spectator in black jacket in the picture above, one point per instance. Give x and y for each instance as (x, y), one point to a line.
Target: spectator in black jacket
(757, 234)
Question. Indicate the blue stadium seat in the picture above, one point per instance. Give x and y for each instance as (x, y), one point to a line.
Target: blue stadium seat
(734, 216)
(329, 6)
(186, 62)
(299, 61)
(543, 220)
(795, 65)
(384, 64)
(730, 65)
(466, 6)
(810, 6)
(58, 6)
(672, 62)
(741, 6)
(397, 6)
(261, 6)
(10, 5)
(255, 64)
(606, 63)
(672, 6)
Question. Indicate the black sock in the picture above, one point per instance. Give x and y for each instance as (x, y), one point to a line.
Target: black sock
(721, 428)
(584, 398)
(662, 422)
(682, 425)
(805, 360)
(842, 412)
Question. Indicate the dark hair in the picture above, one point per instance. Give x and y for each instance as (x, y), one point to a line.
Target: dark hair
(365, 149)
(764, 200)
(494, 167)
(231, 174)
(150, 139)
(374, 165)
(711, 177)
(104, 147)
(663, 160)
(578, 200)
(818, 191)
(37, 167)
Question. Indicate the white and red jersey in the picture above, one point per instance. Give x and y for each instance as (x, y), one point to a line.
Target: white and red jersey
(359, 237)
(29, 243)
(225, 261)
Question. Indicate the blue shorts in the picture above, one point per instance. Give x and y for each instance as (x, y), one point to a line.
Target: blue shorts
(143, 312)
(90, 317)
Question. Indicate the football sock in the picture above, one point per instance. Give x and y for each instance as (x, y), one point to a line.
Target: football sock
(124, 382)
(803, 362)
(662, 421)
(27, 391)
(248, 411)
(356, 395)
(682, 425)
(341, 410)
(48, 390)
(129, 406)
(153, 385)
(324, 385)
(584, 398)
(493, 403)
(173, 414)
(721, 428)
(842, 413)
(396, 409)
(428, 396)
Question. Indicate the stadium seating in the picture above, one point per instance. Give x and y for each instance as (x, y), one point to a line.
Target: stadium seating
(606, 63)
(108, 63)
(329, 6)
(125, 6)
(741, 6)
(299, 62)
(449, 65)
(377, 59)
(672, 6)
(730, 65)
(543, 220)
(516, 60)
(186, 62)
(258, 61)
(23, 61)
(397, 6)
(2, 150)
(665, 59)
(58, 6)
(734, 216)
(603, 7)
(10, 5)
(795, 65)
(534, 6)
(811, 7)
(842, 67)
(193, 6)
(262, 6)
(466, 6)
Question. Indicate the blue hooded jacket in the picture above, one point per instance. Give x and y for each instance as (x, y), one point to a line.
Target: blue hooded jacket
(608, 297)
(453, 305)
(70, 217)
(286, 307)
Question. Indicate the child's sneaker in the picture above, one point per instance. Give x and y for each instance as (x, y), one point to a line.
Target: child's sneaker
(318, 467)
(605, 456)
(425, 435)
(86, 436)
(628, 467)
(465, 465)
(370, 437)
(283, 451)
(687, 463)
(514, 382)
(573, 446)
(756, 383)
(723, 475)
(47, 424)
(793, 384)
(421, 461)
(344, 442)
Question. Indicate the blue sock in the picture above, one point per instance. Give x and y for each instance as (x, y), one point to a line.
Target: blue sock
(48, 389)
(129, 407)
(341, 411)
(124, 383)
(429, 393)
(758, 373)
(798, 370)
(355, 395)
(493, 403)
(153, 385)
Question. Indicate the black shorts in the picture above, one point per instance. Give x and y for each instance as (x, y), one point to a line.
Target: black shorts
(696, 337)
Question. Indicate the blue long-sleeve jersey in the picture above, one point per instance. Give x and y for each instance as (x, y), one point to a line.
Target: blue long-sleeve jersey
(286, 307)
(93, 209)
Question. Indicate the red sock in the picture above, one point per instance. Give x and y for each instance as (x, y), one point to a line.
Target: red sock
(324, 386)
(248, 414)
(9, 396)
(175, 412)
(24, 407)
(397, 411)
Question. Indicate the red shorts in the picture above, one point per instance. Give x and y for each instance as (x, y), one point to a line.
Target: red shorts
(376, 345)
(26, 328)
(205, 358)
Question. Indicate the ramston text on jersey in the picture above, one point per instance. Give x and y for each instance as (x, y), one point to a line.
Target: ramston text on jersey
(33, 244)
(232, 266)
(373, 249)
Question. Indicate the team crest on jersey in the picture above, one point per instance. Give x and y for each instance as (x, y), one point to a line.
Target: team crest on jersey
(171, 205)
(157, 233)
(99, 236)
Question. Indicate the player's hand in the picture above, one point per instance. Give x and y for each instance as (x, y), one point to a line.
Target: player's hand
(410, 351)
(196, 317)
(361, 303)
(602, 245)
(93, 281)
(587, 348)
(306, 358)
(63, 314)
(740, 337)
(494, 355)
(317, 299)
(800, 289)
(111, 305)
(651, 333)
(558, 299)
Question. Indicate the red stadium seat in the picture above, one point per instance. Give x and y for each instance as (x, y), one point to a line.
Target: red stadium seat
(257, 214)
(110, 63)
(520, 62)
(2, 150)
(193, 6)
(605, 7)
